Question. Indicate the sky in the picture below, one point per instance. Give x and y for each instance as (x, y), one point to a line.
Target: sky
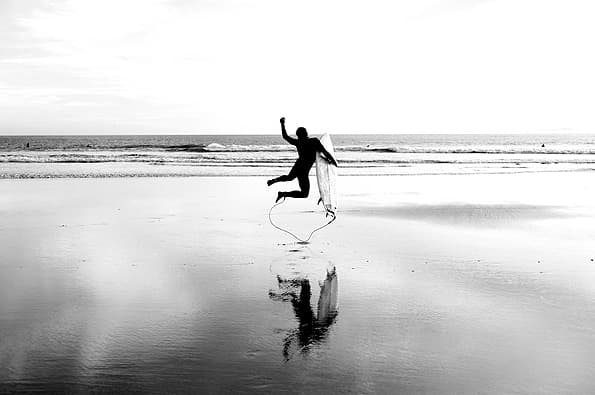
(338, 66)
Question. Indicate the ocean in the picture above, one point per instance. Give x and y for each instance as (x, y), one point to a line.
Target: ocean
(266, 155)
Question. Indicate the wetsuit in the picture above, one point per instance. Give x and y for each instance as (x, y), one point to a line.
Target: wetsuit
(307, 149)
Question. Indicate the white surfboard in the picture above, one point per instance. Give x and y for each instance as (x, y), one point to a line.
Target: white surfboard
(326, 175)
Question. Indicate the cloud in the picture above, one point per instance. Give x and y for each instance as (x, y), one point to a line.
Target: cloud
(445, 7)
(342, 66)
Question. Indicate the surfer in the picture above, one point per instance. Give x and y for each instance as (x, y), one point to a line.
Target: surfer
(307, 147)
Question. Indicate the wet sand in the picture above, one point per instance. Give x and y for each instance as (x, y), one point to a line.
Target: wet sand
(424, 284)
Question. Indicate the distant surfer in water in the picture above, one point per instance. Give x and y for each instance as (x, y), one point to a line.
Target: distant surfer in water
(307, 149)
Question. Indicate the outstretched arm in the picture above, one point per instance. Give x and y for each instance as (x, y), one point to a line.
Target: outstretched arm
(290, 140)
(327, 155)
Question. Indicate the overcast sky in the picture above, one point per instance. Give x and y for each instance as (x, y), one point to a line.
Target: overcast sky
(231, 66)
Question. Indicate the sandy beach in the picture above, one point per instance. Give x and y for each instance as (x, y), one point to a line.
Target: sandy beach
(442, 284)
(143, 146)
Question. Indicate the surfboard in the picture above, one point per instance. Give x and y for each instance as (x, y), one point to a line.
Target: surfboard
(326, 175)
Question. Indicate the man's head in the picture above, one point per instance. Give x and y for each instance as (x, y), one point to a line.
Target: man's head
(301, 133)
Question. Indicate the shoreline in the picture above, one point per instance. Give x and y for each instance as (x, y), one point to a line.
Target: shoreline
(137, 170)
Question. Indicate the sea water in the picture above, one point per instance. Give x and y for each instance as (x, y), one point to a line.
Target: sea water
(266, 155)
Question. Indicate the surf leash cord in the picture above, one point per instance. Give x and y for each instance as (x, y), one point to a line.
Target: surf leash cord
(334, 217)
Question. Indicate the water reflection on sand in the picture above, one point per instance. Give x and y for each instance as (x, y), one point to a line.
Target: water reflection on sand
(312, 328)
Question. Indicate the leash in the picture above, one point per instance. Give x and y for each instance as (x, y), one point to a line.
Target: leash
(290, 233)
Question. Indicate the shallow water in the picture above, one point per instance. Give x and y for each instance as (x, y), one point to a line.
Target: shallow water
(265, 155)
(156, 295)
(176, 285)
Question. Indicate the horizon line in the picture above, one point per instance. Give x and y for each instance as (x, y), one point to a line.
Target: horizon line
(51, 134)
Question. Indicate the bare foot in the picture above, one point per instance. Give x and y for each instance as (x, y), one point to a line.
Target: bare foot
(279, 197)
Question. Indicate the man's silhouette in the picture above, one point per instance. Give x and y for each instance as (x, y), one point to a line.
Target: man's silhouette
(307, 149)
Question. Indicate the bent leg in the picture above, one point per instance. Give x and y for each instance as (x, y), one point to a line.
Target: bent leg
(292, 175)
(278, 179)
(304, 188)
(285, 178)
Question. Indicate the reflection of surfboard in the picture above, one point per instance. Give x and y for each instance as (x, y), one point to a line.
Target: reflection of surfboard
(327, 302)
(326, 175)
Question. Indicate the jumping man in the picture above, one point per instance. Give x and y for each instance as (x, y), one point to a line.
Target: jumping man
(307, 149)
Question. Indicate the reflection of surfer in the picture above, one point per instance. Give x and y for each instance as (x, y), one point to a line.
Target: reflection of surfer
(312, 328)
(307, 149)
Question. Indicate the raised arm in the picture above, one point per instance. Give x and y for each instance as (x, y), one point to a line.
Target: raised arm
(327, 155)
(290, 140)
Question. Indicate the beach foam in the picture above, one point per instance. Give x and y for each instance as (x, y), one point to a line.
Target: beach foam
(263, 155)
